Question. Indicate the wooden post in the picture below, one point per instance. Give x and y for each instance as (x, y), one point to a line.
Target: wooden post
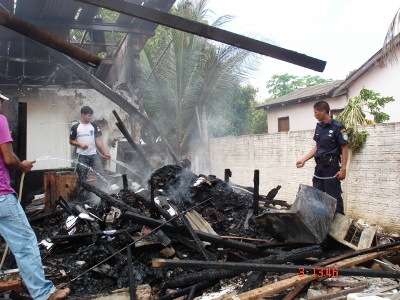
(256, 191)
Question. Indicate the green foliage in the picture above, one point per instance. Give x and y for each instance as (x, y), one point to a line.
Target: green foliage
(357, 139)
(241, 115)
(189, 75)
(258, 122)
(354, 115)
(280, 85)
(111, 38)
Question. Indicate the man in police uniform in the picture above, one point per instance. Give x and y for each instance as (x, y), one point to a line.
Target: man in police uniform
(331, 143)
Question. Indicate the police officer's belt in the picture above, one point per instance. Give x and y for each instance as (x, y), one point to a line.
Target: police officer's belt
(325, 158)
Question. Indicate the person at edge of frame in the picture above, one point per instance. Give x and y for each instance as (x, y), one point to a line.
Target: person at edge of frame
(14, 225)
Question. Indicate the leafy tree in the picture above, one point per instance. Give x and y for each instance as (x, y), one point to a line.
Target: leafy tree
(280, 85)
(258, 122)
(191, 77)
(240, 115)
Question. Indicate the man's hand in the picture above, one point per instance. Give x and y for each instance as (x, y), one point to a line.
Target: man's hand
(27, 165)
(107, 155)
(341, 174)
(83, 146)
(300, 163)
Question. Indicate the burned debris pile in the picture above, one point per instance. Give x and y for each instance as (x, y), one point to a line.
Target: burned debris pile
(98, 242)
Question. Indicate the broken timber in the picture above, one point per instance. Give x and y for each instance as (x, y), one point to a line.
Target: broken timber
(278, 268)
(284, 257)
(210, 32)
(131, 142)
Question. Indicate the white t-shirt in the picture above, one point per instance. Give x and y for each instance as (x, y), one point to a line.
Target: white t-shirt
(87, 134)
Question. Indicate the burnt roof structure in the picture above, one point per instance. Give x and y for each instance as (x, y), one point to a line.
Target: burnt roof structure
(24, 64)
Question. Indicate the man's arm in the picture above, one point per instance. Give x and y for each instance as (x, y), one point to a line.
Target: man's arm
(12, 161)
(77, 144)
(102, 149)
(300, 163)
(345, 154)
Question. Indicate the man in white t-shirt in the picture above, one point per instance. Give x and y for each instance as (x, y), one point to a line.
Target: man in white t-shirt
(86, 136)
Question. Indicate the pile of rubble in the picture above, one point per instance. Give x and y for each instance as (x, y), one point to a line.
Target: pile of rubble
(193, 236)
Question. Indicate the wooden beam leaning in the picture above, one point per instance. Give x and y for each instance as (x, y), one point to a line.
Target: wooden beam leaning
(210, 32)
(46, 38)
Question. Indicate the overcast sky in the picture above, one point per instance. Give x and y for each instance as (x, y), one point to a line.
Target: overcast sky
(344, 33)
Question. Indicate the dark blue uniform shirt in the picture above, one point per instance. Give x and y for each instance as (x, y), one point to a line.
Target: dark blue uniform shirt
(330, 137)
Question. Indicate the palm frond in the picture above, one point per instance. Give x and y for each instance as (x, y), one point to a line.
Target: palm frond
(392, 40)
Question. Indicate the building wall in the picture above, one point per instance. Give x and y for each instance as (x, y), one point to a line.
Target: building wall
(383, 80)
(373, 186)
(301, 116)
(50, 115)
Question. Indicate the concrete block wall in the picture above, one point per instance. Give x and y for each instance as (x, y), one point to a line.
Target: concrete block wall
(372, 188)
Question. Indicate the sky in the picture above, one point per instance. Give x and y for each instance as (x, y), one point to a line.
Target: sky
(344, 33)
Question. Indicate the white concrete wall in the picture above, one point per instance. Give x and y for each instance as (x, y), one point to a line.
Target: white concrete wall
(373, 179)
(50, 114)
(301, 116)
(383, 80)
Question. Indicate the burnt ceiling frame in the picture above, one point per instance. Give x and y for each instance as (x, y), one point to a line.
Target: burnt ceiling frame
(44, 37)
(209, 32)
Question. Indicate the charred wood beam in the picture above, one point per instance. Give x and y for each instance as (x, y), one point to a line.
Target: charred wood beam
(124, 182)
(131, 142)
(100, 26)
(247, 247)
(256, 196)
(35, 33)
(284, 257)
(106, 197)
(276, 268)
(132, 286)
(227, 174)
(210, 32)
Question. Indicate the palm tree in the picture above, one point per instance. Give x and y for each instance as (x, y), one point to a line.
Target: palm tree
(392, 40)
(193, 75)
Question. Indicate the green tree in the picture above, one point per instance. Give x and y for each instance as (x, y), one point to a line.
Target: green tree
(191, 76)
(243, 118)
(280, 85)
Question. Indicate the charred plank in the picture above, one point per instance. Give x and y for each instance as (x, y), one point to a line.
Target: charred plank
(278, 268)
(284, 257)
